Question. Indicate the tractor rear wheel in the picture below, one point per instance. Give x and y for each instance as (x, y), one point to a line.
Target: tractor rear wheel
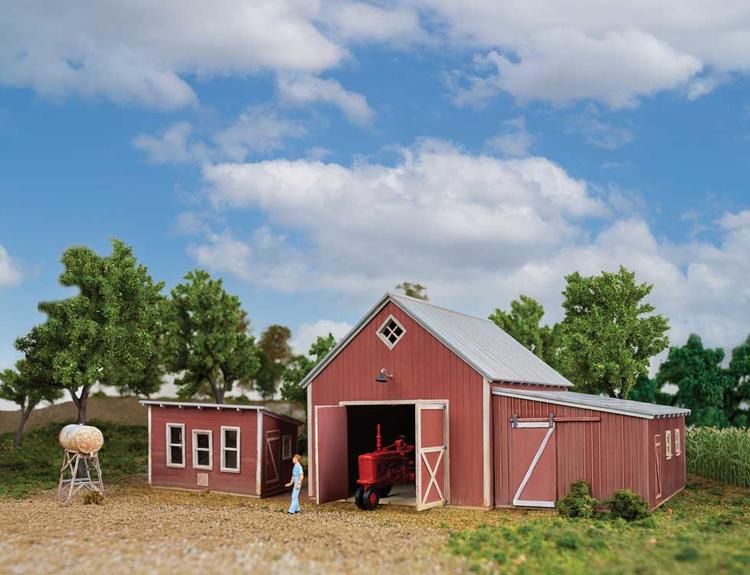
(385, 491)
(372, 498)
(359, 497)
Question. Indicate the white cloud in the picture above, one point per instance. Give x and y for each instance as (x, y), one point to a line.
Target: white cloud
(363, 22)
(10, 275)
(477, 230)
(303, 90)
(259, 129)
(172, 145)
(307, 333)
(599, 132)
(515, 141)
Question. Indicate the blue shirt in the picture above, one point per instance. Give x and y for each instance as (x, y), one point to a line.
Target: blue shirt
(296, 472)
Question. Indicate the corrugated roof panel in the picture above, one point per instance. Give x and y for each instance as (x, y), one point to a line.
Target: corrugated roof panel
(482, 344)
(596, 402)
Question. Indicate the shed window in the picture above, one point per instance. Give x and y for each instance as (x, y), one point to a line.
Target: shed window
(677, 442)
(286, 447)
(202, 452)
(668, 444)
(230, 449)
(391, 332)
(175, 445)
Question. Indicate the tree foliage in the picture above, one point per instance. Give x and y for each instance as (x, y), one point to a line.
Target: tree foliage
(737, 398)
(21, 386)
(523, 323)
(208, 344)
(110, 332)
(415, 290)
(701, 381)
(610, 332)
(275, 352)
(300, 365)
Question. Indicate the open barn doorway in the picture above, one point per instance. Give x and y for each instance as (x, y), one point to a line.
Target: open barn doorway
(397, 422)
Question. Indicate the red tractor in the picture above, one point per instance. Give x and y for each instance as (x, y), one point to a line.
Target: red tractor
(383, 468)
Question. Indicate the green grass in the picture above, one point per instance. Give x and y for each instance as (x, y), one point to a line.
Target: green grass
(36, 465)
(702, 530)
(721, 454)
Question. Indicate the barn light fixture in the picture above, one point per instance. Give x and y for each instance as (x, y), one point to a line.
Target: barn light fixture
(383, 376)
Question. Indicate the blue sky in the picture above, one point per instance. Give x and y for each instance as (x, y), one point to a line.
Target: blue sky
(314, 156)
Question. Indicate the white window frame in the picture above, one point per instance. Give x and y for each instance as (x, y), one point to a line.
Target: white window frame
(170, 445)
(389, 344)
(286, 447)
(668, 443)
(224, 449)
(677, 443)
(210, 434)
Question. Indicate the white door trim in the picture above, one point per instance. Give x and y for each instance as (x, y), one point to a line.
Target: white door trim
(442, 458)
(259, 455)
(537, 456)
(487, 439)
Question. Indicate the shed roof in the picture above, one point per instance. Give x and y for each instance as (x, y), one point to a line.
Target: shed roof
(479, 342)
(222, 406)
(596, 403)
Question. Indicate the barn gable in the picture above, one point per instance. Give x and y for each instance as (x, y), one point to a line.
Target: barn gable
(489, 350)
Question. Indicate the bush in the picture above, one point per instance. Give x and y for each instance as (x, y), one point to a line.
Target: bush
(628, 505)
(93, 498)
(578, 502)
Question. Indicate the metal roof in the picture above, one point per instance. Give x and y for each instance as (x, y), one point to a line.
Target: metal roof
(596, 403)
(220, 407)
(479, 342)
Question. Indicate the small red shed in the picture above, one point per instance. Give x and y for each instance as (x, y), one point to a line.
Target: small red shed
(492, 424)
(239, 449)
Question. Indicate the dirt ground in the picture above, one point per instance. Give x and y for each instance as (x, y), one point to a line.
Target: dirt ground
(143, 530)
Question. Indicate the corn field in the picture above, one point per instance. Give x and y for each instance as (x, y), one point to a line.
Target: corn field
(720, 454)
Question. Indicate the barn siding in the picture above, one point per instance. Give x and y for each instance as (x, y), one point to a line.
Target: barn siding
(611, 453)
(423, 368)
(186, 478)
(674, 469)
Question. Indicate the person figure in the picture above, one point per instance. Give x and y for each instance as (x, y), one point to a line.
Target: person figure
(297, 476)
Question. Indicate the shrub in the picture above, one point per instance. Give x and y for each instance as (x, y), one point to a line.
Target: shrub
(93, 498)
(578, 502)
(628, 505)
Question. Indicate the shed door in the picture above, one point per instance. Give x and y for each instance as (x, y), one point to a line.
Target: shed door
(331, 453)
(533, 463)
(431, 455)
(272, 456)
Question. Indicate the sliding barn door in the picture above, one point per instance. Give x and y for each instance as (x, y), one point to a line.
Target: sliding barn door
(431, 458)
(533, 463)
(331, 453)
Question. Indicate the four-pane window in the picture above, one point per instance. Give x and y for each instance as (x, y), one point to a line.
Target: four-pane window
(230, 449)
(668, 443)
(175, 445)
(677, 442)
(286, 447)
(391, 332)
(202, 452)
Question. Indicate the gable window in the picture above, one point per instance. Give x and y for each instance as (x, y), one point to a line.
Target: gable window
(391, 332)
(202, 456)
(286, 447)
(677, 442)
(175, 445)
(668, 443)
(230, 449)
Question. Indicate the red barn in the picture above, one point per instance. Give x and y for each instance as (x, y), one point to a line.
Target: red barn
(240, 449)
(493, 424)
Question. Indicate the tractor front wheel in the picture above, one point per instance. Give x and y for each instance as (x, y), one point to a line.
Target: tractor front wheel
(372, 498)
(359, 497)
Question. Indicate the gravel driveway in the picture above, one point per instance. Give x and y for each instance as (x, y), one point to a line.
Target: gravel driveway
(138, 529)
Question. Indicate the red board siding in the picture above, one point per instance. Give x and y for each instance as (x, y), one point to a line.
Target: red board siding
(612, 453)
(423, 368)
(243, 482)
(672, 470)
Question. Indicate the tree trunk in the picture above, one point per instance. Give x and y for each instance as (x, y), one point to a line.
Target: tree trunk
(25, 413)
(82, 404)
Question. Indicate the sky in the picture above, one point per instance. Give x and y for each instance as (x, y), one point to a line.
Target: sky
(316, 154)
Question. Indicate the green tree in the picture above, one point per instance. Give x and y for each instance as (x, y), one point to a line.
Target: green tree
(300, 365)
(738, 397)
(22, 387)
(649, 390)
(610, 332)
(275, 352)
(701, 381)
(414, 290)
(108, 333)
(208, 341)
(523, 324)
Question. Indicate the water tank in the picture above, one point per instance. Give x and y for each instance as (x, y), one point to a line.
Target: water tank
(81, 438)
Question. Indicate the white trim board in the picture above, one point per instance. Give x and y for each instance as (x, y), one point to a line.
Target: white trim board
(355, 403)
(259, 455)
(487, 443)
(149, 445)
(223, 406)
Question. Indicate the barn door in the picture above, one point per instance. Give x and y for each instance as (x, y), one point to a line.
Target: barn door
(431, 455)
(272, 458)
(533, 462)
(331, 453)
